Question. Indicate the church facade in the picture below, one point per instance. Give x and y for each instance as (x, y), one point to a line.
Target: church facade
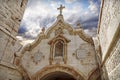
(60, 49)
(61, 52)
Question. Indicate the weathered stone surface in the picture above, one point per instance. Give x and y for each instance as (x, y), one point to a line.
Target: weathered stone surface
(7, 73)
(3, 42)
(11, 12)
(115, 74)
(114, 59)
(109, 24)
(113, 63)
(109, 37)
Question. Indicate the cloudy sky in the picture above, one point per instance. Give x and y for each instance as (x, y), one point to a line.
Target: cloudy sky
(43, 13)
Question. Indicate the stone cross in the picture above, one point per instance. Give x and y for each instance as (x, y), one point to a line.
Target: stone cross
(61, 8)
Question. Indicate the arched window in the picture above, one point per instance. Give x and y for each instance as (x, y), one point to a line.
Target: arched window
(59, 48)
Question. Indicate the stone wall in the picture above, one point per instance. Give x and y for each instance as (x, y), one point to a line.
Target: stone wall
(108, 24)
(113, 62)
(11, 12)
(9, 46)
(7, 73)
(109, 37)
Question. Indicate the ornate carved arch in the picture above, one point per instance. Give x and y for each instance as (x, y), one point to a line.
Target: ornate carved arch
(53, 42)
(61, 68)
(59, 48)
(95, 74)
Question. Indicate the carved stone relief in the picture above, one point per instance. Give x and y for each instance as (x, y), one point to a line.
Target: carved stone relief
(82, 51)
(58, 31)
(37, 57)
(83, 54)
(80, 54)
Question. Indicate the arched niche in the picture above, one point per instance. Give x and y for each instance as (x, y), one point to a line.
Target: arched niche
(58, 49)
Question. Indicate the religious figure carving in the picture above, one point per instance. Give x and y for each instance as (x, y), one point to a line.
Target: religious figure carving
(43, 30)
(61, 8)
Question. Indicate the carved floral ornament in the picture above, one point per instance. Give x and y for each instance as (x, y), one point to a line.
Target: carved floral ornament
(59, 31)
(37, 57)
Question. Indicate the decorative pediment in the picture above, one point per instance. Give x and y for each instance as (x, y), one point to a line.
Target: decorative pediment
(59, 37)
(57, 26)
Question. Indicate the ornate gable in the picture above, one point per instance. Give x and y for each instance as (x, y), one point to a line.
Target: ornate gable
(58, 26)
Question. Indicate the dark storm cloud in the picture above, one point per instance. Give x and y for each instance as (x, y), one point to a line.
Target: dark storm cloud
(92, 22)
(85, 24)
(38, 15)
(22, 28)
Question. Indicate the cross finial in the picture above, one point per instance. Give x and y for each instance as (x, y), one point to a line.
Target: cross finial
(61, 8)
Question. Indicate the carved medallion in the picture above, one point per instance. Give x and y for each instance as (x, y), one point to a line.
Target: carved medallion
(37, 57)
(82, 51)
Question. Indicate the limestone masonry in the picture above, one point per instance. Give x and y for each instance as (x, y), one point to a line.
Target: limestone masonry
(60, 52)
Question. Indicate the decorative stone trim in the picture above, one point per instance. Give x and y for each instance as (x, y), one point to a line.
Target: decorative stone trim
(61, 68)
(52, 47)
(94, 74)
